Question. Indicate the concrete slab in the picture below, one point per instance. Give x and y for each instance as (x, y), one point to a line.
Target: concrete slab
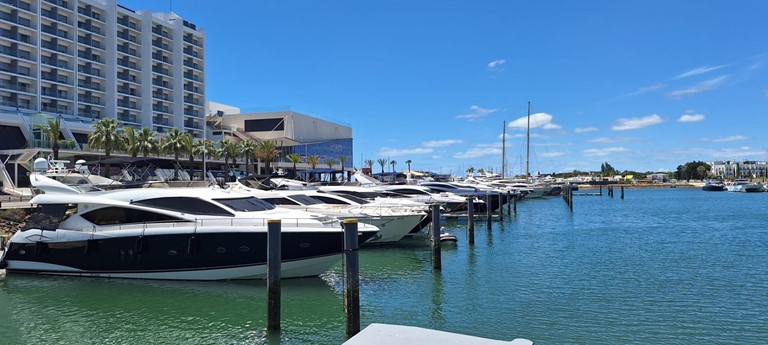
(386, 334)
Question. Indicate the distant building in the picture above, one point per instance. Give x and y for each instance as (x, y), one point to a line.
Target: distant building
(658, 178)
(734, 169)
(89, 59)
(293, 132)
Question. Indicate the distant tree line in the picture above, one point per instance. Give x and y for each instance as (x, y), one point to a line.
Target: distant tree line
(695, 170)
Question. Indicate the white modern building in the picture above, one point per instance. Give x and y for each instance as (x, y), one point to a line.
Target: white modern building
(292, 131)
(734, 169)
(83, 60)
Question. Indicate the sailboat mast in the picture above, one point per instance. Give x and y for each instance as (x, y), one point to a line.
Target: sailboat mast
(528, 143)
(503, 147)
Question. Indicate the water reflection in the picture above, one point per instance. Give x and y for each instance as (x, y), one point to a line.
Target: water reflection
(437, 317)
(42, 309)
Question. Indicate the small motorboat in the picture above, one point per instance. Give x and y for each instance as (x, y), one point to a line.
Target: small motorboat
(446, 236)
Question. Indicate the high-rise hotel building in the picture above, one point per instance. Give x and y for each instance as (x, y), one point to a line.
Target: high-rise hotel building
(91, 59)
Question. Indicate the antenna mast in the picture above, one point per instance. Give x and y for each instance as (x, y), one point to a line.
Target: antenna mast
(503, 147)
(528, 143)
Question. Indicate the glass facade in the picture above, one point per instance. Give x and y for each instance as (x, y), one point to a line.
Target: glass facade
(325, 150)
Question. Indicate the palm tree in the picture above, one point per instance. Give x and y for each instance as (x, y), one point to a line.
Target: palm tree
(188, 142)
(205, 149)
(146, 142)
(247, 148)
(369, 163)
(228, 150)
(266, 151)
(394, 162)
(131, 141)
(313, 160)
(175, 143)
(53, 131)
(330, 162)
(382, 162)
(409, 165)
(108, 136)
(342, 160)
(295, 158)
(470, 171)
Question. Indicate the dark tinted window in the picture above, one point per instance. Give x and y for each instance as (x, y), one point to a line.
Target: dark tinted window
(248, 204)
(280, 201)
(305, 199)
(120, 215)
(357, 196)
(330, 201)
(410, 191)
(185, 205)
(264, 125)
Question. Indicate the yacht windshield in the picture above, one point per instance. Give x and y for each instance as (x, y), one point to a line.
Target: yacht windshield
(305, 199)
(185, 205)
(248, 204)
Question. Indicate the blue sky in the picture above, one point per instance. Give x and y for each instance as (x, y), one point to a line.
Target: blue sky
(644, 86)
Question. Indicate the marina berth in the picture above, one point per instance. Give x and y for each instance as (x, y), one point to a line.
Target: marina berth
(170, 233)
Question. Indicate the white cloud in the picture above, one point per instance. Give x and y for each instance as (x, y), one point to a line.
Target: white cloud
(495, 65)
(476, 113)
(552, 154)
(726, 139)
(606, 140)
(691, 118)
(542, 120)
(604, 152)
(442, 143)
(699, 88)
(480, 151)
(636, 122)
(698, 71)
(645, 89)
(584, 130)
(390, 152)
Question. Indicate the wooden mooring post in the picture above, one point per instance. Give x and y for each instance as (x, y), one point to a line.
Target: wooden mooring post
(488, 210)
(436, 252)
(471, 219)
(274, 258)
(501, 209)
(351, 277)
(514, 205)
(509, 203)
(622, 192)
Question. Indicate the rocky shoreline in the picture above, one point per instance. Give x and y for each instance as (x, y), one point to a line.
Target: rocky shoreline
(12, 220)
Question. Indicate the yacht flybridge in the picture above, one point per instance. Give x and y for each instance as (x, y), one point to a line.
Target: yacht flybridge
(170, 233)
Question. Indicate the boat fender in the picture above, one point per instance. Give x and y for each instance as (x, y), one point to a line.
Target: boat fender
(3, 265)
(193, 245)
(40, 248)
(141, 245)
(91, 247)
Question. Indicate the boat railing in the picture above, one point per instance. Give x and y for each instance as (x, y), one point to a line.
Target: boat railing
(210, 222)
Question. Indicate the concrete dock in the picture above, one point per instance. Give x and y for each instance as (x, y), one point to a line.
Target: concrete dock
(386, 334)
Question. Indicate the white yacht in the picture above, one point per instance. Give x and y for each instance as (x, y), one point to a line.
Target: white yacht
(170, 233)
(394, 221)
(743, 185)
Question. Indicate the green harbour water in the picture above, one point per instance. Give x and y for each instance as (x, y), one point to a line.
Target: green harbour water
(661, 266)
